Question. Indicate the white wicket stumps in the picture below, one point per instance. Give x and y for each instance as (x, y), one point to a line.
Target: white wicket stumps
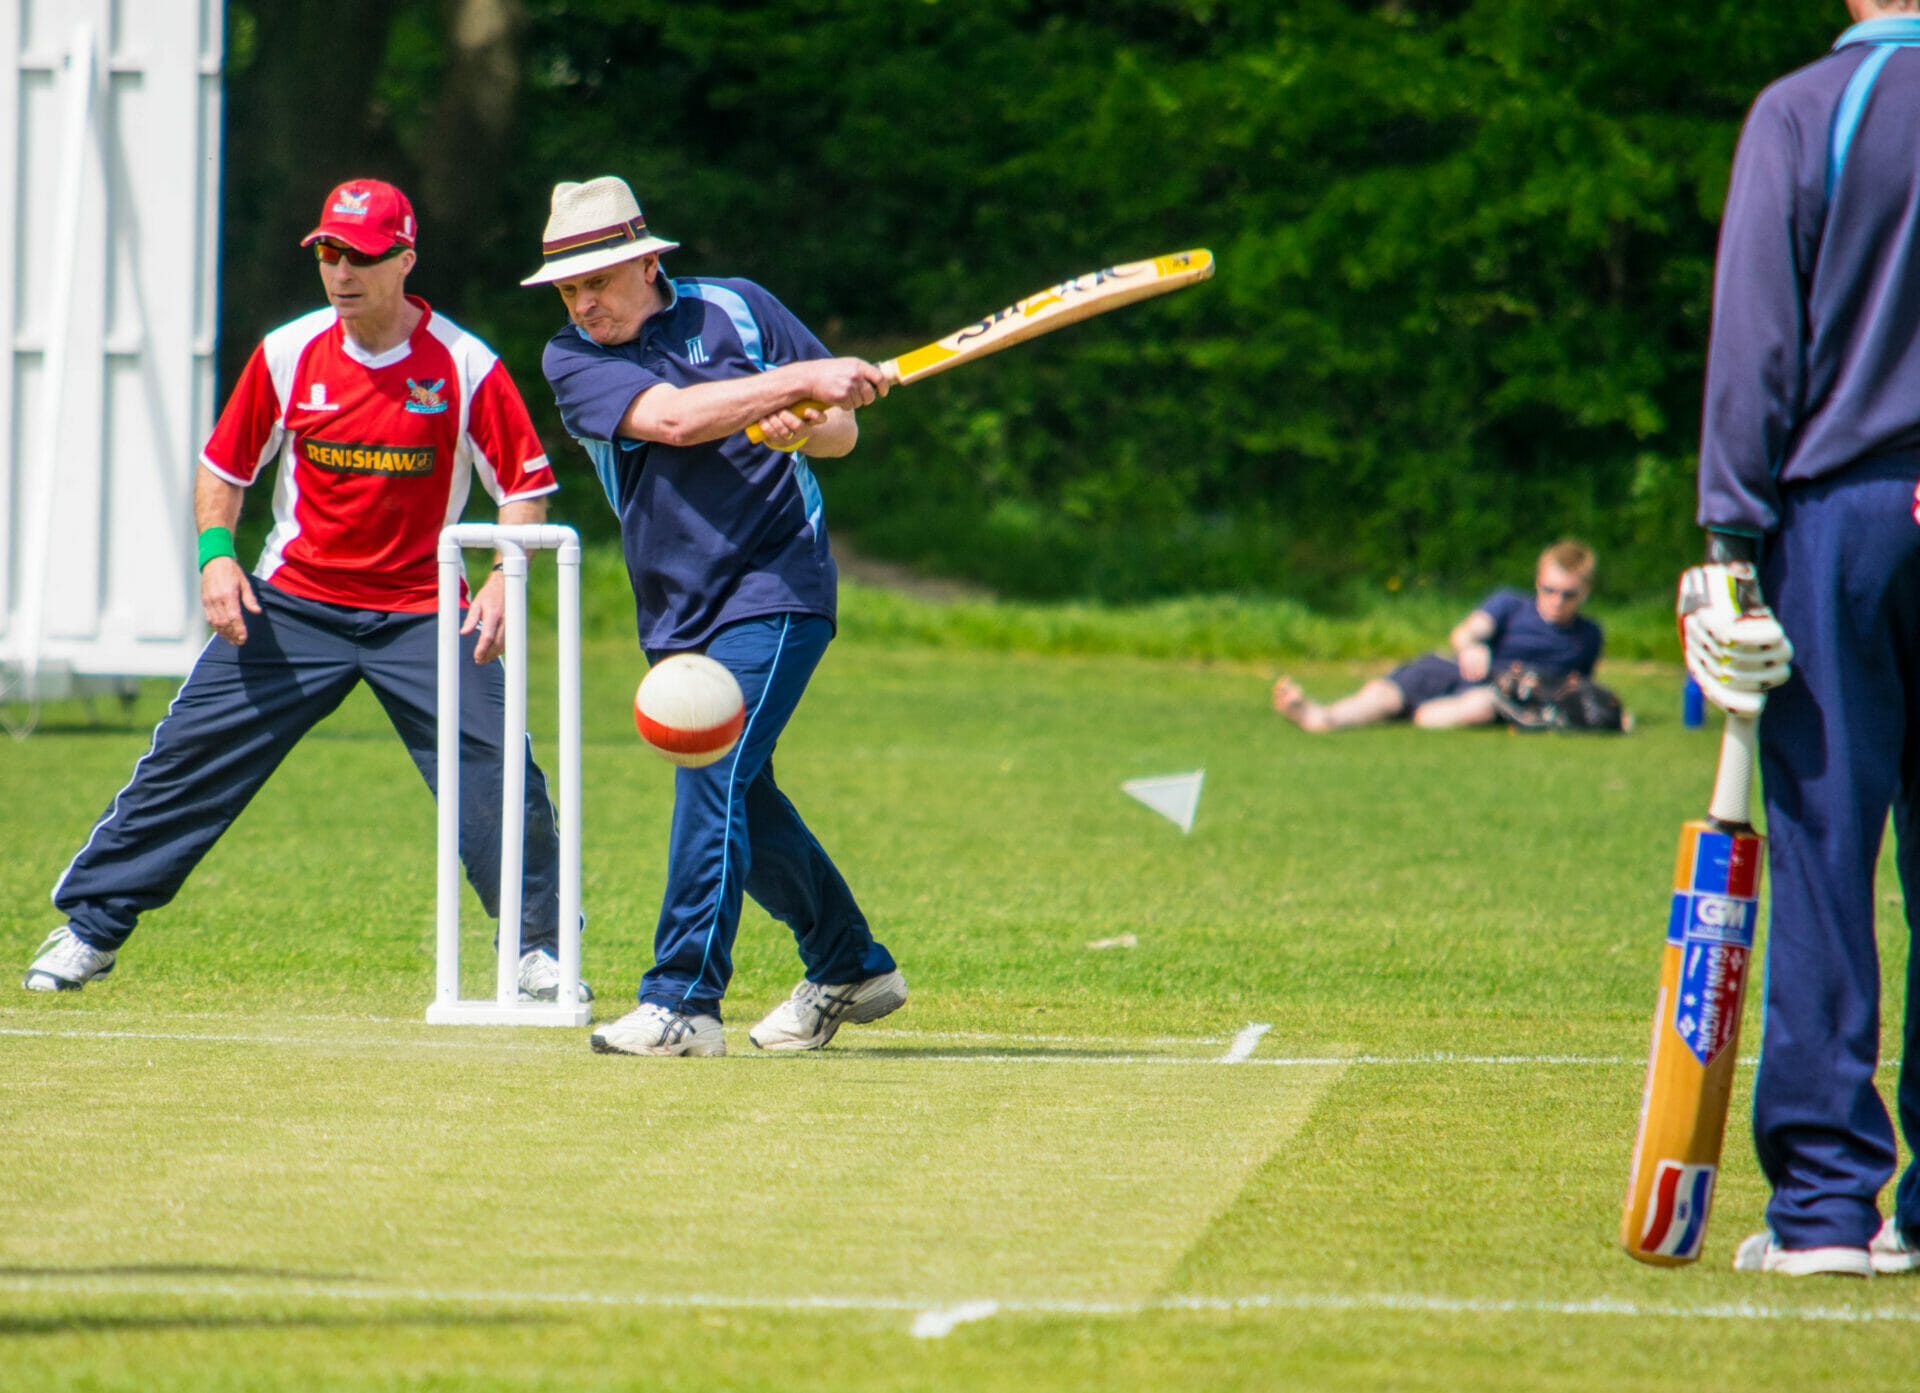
(513, 543)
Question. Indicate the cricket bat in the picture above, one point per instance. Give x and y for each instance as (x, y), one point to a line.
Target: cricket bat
(1696, 1017)
(1057, 306)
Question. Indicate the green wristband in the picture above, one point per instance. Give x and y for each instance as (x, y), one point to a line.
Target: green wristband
(216, 541)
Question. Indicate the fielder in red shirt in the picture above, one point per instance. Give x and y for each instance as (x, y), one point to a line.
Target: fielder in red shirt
(377, 415)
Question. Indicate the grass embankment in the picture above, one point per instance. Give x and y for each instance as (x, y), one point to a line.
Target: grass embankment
(1381, 627)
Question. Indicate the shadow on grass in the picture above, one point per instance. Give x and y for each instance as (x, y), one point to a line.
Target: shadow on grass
(70, 1323)
(179, 1269)
(96, 1324)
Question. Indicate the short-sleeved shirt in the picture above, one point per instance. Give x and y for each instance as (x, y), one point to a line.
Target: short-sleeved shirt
(1520, 635)
(376, 454)
(717, 532)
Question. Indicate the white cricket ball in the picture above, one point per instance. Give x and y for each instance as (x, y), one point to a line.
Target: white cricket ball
(689, 709)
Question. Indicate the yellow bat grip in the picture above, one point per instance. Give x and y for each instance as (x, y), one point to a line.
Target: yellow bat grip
(755, 434)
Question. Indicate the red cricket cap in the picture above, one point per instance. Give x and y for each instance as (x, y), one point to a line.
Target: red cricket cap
(367, 215)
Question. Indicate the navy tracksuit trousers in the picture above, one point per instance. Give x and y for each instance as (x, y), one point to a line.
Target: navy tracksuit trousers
(1840, 745)
(734, 831)
(239, 713)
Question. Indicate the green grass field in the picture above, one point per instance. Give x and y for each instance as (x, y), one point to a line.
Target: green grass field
(244, 1163)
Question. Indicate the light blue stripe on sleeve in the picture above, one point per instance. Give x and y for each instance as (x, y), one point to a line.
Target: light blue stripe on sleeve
(734, 306)
(605, 456)
(1846, 117)
(809, 490)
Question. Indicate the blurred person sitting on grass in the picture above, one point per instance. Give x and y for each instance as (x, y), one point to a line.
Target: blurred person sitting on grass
(1546, 635)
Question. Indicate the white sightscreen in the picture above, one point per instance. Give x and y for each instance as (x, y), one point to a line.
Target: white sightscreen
(109, 215)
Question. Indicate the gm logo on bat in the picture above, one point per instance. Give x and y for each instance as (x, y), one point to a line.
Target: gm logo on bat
(1707, 918)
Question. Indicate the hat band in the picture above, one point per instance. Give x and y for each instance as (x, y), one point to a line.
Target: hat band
(630, 231)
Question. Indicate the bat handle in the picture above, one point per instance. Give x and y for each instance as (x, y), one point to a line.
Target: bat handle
(755, 434)
(1733, 784)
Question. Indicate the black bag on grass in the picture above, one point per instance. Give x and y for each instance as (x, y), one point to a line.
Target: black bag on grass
(1530, 699)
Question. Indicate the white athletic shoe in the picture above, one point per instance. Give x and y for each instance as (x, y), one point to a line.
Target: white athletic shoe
(66, 962)
(540, 977)
(1758, 1253)
(656, 1030)
(1892, 1252)
(807, 1019)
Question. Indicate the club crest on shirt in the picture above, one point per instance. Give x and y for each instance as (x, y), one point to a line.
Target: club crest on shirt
(341, 457)
(696, 352)
(424, 399)
(353, 205)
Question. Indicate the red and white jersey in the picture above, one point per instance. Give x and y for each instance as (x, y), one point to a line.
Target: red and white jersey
(376, 454)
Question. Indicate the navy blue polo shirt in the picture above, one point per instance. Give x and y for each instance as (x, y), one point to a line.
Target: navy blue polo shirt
(1813, 361)
(717, 532)
(1520, 635)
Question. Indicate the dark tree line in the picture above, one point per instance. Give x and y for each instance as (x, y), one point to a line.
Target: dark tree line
(1465, 248)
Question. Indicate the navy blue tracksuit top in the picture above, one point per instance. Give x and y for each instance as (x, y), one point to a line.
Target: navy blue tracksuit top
(1814, 359)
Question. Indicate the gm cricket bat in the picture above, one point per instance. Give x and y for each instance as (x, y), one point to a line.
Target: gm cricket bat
(1696, 1018)
(1057, 306)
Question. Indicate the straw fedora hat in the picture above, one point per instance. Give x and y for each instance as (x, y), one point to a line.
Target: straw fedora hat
(592, 226)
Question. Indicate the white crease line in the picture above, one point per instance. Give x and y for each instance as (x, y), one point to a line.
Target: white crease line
(380, 1042)
(867, 1032)
(938, 1324)
(1244, 1042)
(1248, 1037)
(1135, 1040)
(928, 1314)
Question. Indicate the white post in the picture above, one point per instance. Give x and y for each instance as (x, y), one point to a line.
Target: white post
(513, 775)
(505, 1008)
(42, 464)
(447, 782)
(569, 559)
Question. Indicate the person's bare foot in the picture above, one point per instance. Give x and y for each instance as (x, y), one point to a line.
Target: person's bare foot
(1295, 705)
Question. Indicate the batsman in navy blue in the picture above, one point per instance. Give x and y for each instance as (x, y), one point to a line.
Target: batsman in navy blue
(726, 547)
(1810, 464)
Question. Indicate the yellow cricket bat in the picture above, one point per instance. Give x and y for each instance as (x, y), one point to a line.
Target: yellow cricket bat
(1057, 306)
(1696, 1018)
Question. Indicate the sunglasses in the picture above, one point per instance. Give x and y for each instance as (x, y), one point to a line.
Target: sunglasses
(332, 254)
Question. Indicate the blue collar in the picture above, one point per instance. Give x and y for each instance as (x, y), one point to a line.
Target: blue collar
(1888, 29)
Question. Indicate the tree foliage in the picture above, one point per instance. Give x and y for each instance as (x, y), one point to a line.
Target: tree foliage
(1464, 246)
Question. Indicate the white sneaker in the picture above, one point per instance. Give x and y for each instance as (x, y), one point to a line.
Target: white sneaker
(66, 962)
(656, 1030)
(1758, 1253)
(807, 1019)
(540, 977)
(1892, 1252)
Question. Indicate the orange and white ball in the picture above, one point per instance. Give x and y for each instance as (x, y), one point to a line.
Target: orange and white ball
(689, 709)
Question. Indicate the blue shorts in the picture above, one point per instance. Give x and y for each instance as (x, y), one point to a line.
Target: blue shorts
(1428, 676)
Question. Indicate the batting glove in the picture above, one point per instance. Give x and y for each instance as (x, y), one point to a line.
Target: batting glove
(1735, 648)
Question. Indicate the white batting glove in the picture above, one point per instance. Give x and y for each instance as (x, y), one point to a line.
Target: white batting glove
(1735, 648)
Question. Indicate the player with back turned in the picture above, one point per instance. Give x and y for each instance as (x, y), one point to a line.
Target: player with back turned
(727, 550)
(1810, 483)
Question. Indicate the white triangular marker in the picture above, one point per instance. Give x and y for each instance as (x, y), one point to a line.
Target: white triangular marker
(1175, 797)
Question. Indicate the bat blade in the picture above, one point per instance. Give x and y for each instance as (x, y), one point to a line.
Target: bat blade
(1057, 306)
(1696, 1025)
(1042, 312)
